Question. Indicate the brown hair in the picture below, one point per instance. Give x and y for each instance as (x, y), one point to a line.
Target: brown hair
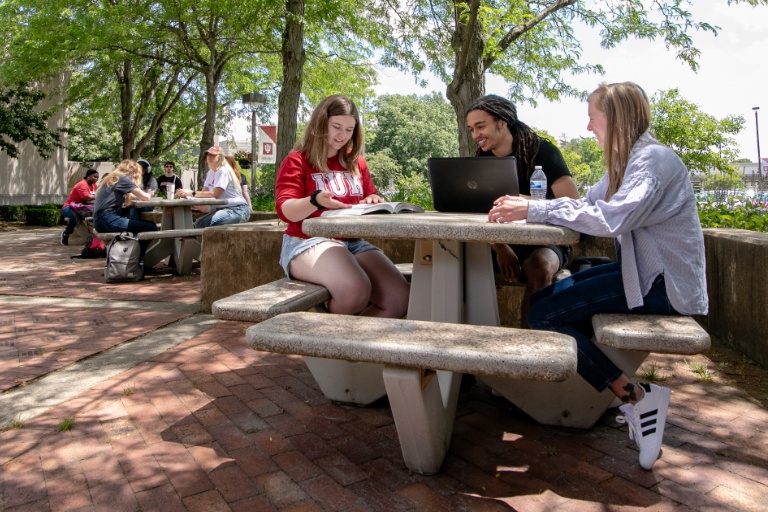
(314, 141)
(235, 167)
(129, 168)
(628, 116)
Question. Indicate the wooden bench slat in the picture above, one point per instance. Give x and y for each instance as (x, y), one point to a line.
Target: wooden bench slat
(483, 350)
(665, 334)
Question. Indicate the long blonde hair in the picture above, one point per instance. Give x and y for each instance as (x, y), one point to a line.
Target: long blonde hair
(129, 168)
(222, 163)
(628, 116)
(314, 141)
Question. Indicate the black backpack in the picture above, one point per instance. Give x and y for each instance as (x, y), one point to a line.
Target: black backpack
(124, 261)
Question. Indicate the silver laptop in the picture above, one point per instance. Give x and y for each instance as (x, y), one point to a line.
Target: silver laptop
(471, 184)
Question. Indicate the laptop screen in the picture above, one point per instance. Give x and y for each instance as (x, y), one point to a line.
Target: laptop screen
(471, 184)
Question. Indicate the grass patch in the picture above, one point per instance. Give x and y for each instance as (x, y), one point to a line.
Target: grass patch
(66, 424)
(700, 369)
(652, 373)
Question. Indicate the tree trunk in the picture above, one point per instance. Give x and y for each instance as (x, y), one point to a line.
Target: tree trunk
(468, 82)
(209, 127)
(123, 73)
(293, 70)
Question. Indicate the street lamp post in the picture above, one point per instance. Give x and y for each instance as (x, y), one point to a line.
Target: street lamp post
(759, 162)
(253, 100)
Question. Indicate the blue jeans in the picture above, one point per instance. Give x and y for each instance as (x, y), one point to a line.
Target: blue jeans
(227, 215)
(108, 221)
(568, 305)
(72, 220)
(135, 213)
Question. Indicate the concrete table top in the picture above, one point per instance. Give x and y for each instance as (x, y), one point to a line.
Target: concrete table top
(462, 227)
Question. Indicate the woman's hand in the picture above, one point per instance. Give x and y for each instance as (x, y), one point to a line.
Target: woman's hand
(507, 208)
(372, 199)
(326, 198)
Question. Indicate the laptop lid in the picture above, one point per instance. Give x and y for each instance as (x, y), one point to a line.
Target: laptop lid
(471, 184)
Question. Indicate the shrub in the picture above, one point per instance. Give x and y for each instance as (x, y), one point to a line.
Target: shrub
(11, 213)
(46, 215)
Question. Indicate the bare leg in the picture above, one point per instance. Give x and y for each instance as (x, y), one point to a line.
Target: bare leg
(333, 266)
(389, 289)
(627, 392)
(539, 268)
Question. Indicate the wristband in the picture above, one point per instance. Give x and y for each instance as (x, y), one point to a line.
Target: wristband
(313, 200)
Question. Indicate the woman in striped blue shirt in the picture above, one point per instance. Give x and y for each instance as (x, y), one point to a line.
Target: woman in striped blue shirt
(645, 201)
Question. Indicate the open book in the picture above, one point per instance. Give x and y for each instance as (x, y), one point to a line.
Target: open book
(364, 209)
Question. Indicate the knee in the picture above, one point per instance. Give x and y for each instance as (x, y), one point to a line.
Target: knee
(351, 297)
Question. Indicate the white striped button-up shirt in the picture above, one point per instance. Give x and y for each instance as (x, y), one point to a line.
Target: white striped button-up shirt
(654, 218)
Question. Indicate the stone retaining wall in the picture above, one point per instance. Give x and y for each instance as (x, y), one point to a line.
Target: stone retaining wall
(737, 282)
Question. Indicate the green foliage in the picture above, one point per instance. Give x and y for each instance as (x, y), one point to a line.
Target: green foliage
(749, 215)
(263, 203)
(44, 215)
(413, 129)
(585, 161)
(20, 121)
(413, 189)
(702, 141)
(11, 213)
(383, 169)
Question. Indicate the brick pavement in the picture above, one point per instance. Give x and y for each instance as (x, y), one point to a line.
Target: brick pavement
(212, 425)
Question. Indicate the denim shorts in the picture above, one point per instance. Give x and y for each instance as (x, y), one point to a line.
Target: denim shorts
(293, 246)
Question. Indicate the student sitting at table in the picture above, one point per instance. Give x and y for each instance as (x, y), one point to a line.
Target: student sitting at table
(326, 171)
(494, 125)
(243, 180)
(169, 177)
(220, 183)
(124, 182)
(79, 203)
(645, 201)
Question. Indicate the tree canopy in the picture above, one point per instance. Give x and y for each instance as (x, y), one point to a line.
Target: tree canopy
(21, 120)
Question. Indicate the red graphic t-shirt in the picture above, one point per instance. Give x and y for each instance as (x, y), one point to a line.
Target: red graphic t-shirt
(297, 178)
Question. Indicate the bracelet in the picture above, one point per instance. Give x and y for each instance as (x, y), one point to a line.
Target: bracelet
(313, 200)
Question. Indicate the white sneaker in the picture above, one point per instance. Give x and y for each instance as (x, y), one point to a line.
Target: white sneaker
(646, 420)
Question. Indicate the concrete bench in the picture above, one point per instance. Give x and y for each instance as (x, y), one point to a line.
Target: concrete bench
(282, 296)
(157, 235)
(422, 365)
(627, 339)
(181, 244)
(355, 383)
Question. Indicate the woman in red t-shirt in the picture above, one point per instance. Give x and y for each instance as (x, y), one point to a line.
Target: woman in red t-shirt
(325, 171)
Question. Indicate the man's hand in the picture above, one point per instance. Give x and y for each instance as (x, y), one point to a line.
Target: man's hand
(509, 265)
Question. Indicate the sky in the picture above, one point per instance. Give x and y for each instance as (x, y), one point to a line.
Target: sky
(731, 80)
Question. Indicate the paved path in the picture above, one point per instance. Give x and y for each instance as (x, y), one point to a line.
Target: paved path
(170, 410)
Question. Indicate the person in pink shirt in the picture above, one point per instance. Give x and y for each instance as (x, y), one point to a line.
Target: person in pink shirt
(79, 203)
(326, 171)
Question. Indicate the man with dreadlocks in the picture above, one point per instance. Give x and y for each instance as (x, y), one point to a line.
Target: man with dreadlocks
(493, 123)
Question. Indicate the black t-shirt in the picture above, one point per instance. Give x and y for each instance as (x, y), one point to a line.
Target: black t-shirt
(165, 179)
(552, 163)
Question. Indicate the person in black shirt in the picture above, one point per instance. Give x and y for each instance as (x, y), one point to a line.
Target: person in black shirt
(493, 123)
(169, 177)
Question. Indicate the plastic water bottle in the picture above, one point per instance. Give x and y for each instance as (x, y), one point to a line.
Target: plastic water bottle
(538, 184)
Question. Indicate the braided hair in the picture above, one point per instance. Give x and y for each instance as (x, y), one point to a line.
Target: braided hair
(525, 141)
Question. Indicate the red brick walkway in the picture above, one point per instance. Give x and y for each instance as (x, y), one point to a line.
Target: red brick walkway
(212, 425)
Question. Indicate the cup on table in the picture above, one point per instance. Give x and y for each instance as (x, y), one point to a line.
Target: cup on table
(170, 190)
